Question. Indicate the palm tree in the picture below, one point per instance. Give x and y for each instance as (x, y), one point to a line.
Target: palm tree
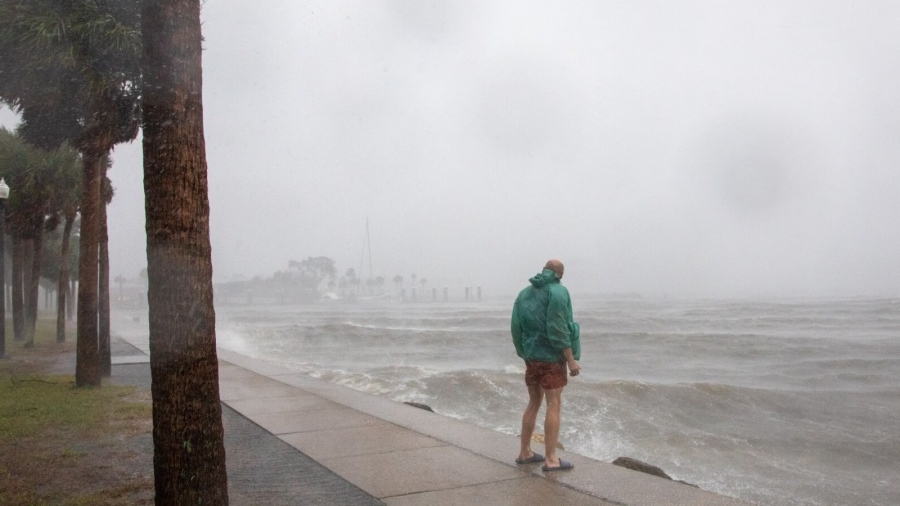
(75, 246)
(398, 280)
(66, 200)
(31, 172)
(188, 443)
(60, 161)
(17, 282)
(35, 240)
(14, 159)
(72, 70)
(103, 321)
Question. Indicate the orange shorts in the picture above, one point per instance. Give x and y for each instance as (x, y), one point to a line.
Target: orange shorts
(549, 375)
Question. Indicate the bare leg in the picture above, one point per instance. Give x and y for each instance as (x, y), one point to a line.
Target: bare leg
(535, 396)
(551, 426)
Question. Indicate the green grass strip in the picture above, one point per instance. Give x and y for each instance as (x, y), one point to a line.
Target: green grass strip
(32, 404)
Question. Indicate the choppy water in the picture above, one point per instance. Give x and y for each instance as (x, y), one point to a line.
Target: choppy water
(784, 402)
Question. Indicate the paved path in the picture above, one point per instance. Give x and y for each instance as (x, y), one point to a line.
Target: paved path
(262, 469)
(292, 439)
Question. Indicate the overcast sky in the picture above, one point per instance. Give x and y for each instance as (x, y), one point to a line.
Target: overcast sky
(657, 147)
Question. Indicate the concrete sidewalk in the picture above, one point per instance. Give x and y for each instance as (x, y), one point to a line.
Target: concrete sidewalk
(405, 456)
(262, 469)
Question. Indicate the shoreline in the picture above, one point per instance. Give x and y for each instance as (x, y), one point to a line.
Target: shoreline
(408, 456)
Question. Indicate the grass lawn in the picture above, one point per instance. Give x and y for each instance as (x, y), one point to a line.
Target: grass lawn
(61, 445)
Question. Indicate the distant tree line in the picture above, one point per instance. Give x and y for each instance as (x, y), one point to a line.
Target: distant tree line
(311, 280)
(301, 282)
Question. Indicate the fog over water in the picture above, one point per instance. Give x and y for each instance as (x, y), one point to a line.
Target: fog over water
(695, 147)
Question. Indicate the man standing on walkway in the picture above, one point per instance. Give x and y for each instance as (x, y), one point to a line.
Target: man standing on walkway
(547, 338)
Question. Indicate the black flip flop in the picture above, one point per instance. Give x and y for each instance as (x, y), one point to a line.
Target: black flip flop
(534, 459)
(563, 466)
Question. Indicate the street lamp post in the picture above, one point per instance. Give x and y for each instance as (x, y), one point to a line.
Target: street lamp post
(4, 194)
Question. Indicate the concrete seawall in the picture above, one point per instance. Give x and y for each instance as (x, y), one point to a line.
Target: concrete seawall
(403, 456)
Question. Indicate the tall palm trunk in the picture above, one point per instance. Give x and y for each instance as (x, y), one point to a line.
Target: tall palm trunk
(27, 256)
(87, 358)
(17, 295)
(34, 282)
(103, 288)
(189, 451)
(63, 284)
(3, 278)
(70, 303)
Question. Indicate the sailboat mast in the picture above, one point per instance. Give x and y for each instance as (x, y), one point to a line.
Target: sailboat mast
(369, 247)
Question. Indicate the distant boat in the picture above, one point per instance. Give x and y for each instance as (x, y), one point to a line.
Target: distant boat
(330, 297)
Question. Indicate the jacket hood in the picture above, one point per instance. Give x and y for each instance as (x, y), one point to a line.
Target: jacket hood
(544, 278)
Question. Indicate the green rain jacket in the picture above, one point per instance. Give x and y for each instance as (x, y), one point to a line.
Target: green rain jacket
(542, 324)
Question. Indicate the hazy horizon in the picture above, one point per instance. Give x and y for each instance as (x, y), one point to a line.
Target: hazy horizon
(691, 148)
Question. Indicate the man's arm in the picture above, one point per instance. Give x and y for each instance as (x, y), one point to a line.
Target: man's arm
(516, 331)
(574, 367)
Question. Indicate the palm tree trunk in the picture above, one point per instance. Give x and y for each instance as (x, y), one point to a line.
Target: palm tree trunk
(34, 282)
(17, 295)
(103, 281)
(3, 299)
(70, 302)
(188, 438)
(63, 284)
(27, 273)
(87, 357)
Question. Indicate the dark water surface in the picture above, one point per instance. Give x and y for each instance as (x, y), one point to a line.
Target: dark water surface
(777, 402)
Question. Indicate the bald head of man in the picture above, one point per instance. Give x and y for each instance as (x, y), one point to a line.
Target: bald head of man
(555, 266)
